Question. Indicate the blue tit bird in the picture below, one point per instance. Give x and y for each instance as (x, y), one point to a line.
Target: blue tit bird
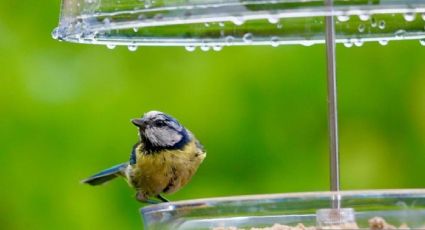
(164, 159)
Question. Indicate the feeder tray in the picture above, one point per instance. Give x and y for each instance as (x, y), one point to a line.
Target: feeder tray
(386, 209)
(218, 23)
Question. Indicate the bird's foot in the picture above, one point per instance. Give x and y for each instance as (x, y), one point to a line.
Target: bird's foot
(141, 197)
(163, 199)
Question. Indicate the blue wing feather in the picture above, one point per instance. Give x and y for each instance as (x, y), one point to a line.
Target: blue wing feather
(133, 157)
(106, 175)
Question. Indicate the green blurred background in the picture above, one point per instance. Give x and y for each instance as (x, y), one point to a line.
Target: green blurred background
(259, 111)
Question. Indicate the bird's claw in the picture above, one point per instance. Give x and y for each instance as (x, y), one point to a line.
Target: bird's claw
(145, 199)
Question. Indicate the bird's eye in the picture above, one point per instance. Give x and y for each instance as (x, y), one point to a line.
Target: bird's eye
(159, 123)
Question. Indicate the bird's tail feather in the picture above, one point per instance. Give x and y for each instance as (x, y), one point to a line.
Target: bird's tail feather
(106, 175)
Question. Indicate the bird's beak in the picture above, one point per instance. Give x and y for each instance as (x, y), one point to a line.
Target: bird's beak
(138, 122)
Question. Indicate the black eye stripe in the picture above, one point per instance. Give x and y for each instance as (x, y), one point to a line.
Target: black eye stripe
(160, 123)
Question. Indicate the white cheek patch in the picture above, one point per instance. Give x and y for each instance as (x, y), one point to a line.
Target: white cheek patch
(163, 136)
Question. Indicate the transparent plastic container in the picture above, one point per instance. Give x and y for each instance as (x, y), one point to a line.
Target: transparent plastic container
(364, 209)
(217, 23)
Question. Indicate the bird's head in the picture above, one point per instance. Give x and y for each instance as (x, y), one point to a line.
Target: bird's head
(159, 131)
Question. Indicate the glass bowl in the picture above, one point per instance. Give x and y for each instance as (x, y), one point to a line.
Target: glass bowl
(362, 209)
(212, 24)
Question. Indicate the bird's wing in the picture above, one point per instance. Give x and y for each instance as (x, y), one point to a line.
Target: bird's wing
(133, 155)
(197, 143)
(106, 175)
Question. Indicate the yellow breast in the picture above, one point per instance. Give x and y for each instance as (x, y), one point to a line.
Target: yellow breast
(166, 171)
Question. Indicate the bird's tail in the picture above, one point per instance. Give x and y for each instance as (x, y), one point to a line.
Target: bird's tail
(106, 175)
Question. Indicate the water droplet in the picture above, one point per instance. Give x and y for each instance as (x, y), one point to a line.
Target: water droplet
(148, 3)
(132, 48)
(81, 39)
(55, 33)
(106, 21)
(343, 18)
(361, 28)
(229, 40)
(247, 38)
(275, 41)
(348, 43)
(423, 16)
(238, 20)
(279, 26)
(422, 41)
(400, 33)
(364, 17)
(205, 47)
(383, 42)
(217, 47)
(110, 46)
(89, 36)
(141, 17)
(190, 48)
(273, 19)
(409, 16)
(207, 24)
(358, 42)
(187, 14)
(381, 24)
(158, 17)
(373, 22)
(78, 36)
(135, 29)
(307, 43)
(221, 24)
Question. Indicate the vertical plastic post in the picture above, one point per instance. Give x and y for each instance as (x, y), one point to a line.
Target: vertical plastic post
(332, 100)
